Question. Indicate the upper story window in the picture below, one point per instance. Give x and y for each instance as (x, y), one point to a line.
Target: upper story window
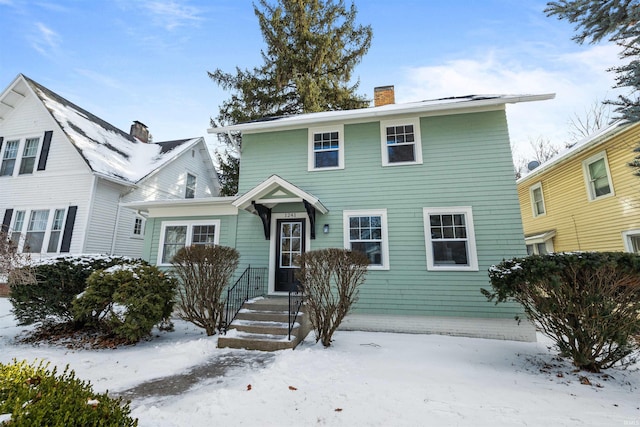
(366, 231)
(450, 239)
(29, 155)
(326, 148)
(176, 235)
(597, 176)
(401, 142)
(9, 158)
(537, 200)
(190, 188)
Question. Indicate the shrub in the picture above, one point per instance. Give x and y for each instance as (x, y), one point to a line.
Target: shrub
(126, 300)
(49, 298)
(13, 263)
(203, 272)
(588, 303)
(34, 395)
(330, 279)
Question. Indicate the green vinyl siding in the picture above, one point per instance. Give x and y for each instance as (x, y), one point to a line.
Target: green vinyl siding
(466, 162)
(153, 229)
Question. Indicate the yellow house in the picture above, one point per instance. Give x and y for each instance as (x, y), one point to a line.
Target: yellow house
(586, 198)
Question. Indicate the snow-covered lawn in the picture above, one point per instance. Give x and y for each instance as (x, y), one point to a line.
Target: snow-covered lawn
(364, 379)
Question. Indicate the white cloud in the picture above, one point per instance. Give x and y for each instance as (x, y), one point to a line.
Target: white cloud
(44, 39)
(170, 14)
(577, 79)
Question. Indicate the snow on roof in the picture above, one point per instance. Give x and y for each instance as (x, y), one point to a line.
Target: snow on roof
(453, 104)
(597, 137)
(109, 151)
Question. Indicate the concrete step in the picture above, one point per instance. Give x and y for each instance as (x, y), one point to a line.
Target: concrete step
(263, 324)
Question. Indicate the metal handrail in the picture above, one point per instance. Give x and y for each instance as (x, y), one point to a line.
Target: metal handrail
(251, 284)
(296, 298)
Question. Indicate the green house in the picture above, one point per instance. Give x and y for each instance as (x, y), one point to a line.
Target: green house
(425, 189)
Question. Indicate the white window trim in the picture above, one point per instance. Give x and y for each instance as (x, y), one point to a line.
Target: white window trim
(186, 181)
(189, 224)
(142, 226)
(415, 121)
(625, 238)
(20, 153)
(471, 238)
(533, 200)
(382, 213)
(587, 177)
(47, 232)
(311, 165)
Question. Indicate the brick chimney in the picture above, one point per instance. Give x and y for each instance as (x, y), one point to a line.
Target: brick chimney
(383, 95)
(139, 130)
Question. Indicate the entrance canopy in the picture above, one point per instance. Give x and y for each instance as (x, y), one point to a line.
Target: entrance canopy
(273, 191)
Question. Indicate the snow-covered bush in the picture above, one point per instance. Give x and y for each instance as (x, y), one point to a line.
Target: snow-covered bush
(588, 303)
(57, 282)
(203, 273)
(330, 279)
(34, 395)
(126, 300)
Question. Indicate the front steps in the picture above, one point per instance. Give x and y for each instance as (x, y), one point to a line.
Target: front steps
(263, 324)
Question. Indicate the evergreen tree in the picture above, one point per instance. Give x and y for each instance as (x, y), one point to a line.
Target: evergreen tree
(619, 21)
(312, 47)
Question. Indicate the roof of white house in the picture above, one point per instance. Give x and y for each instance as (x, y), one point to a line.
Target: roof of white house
(592, 140)
(110, 152)
(452, 105)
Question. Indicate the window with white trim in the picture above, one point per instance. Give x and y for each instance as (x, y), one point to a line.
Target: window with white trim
(16, 230)
(450, 238)
(36, 230)
(29, 153)
(56, 231)
(9, 158)
(537, 200)
(366, 231)
(138, 226)
(175, 235)
(631, 241)
(597, 176)
(326, 148)
(190, 187)
(401, 142)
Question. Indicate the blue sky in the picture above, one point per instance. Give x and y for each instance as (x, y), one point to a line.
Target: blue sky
(147, 60)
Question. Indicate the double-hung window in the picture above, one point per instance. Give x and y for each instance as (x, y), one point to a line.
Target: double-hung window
(401, 142)
(138, 227)
(29, 153)
(450, 238)
(9, 158)
(366, 231)
(597, 176)
(36, 229)
(190, 187)
(326, 148)
(537, 200)
(176, 235)
(16, 230)
(56, 230)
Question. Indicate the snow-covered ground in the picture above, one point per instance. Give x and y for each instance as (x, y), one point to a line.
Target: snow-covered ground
(364, 379)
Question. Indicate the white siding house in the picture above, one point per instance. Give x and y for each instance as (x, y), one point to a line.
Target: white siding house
(64, 173)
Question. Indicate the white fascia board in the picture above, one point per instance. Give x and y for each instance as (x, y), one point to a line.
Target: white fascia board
(436, 107)
(185, 207)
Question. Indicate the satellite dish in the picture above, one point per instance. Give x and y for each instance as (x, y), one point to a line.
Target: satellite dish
(533, 164)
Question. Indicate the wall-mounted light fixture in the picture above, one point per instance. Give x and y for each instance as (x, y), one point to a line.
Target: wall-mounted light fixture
(325, 229)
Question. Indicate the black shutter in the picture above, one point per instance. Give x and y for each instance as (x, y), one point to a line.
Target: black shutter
(46, 143)
(6, 221)
(1, 140)
(68, 229)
